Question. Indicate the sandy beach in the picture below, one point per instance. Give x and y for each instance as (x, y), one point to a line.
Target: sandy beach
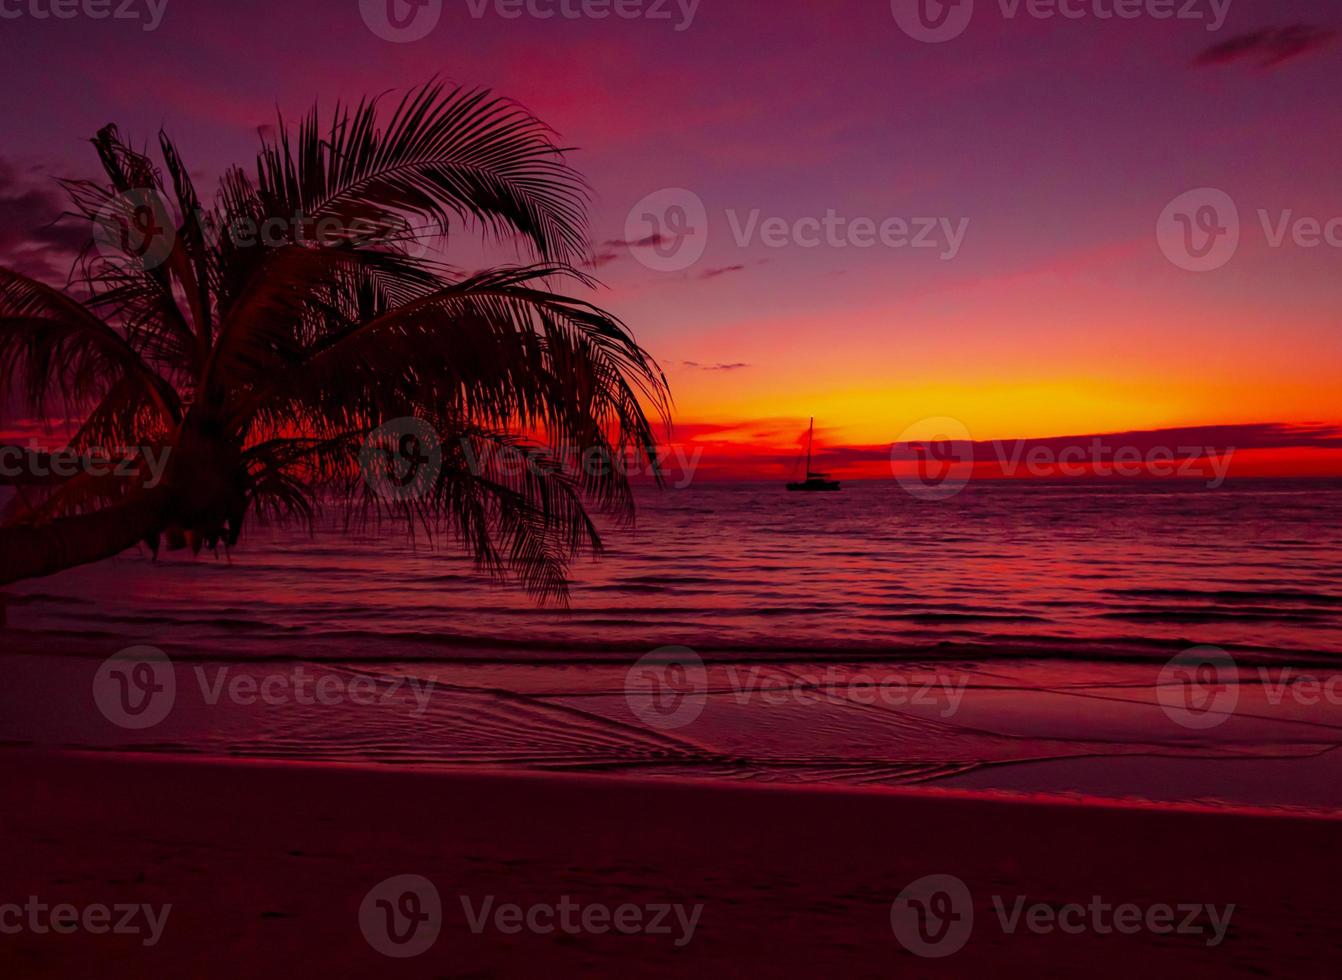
(265, 866)
(493, 490)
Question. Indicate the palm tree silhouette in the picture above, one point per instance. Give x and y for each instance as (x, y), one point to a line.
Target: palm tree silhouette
(261, 361)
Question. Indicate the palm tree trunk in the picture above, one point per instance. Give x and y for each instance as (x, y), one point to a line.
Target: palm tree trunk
(31, 551)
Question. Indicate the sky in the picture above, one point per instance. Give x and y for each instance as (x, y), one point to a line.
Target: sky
(986, 229)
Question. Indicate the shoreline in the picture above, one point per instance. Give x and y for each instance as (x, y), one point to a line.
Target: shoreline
(476, 651)
(266, 865)
(576, 781)
(1040, 730)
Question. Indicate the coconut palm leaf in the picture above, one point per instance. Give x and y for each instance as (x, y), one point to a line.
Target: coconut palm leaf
(263, 362)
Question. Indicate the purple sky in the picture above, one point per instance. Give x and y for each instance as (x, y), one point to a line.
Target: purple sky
(1052, 145)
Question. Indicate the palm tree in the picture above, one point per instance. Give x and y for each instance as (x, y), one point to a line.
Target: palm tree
(261, 356)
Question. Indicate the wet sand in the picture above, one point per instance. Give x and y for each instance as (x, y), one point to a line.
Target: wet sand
(266, 866)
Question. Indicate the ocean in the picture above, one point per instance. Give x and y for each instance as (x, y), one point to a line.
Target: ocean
(1010, 638)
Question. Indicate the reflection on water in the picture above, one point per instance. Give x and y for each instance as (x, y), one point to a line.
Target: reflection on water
(1007, 638)
(1126, 569)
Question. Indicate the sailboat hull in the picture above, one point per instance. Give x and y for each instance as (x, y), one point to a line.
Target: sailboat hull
(814, 486)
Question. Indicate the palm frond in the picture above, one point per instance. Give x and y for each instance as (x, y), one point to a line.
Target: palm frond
(53, 347)
(264, 362)
(444, 155)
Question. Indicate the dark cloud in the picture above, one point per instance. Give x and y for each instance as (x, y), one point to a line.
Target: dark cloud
(721, 271)
(736, 366)
(1268, 47)
(1263, 435)
(604, 258)
(35, 238)
(654, 239)
(731, 459)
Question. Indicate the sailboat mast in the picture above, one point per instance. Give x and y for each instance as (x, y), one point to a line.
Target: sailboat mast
(809, 440)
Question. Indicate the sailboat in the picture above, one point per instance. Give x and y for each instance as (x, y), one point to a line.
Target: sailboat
(814, 482)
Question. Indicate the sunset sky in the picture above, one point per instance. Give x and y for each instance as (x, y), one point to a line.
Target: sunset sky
(1054, 144)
